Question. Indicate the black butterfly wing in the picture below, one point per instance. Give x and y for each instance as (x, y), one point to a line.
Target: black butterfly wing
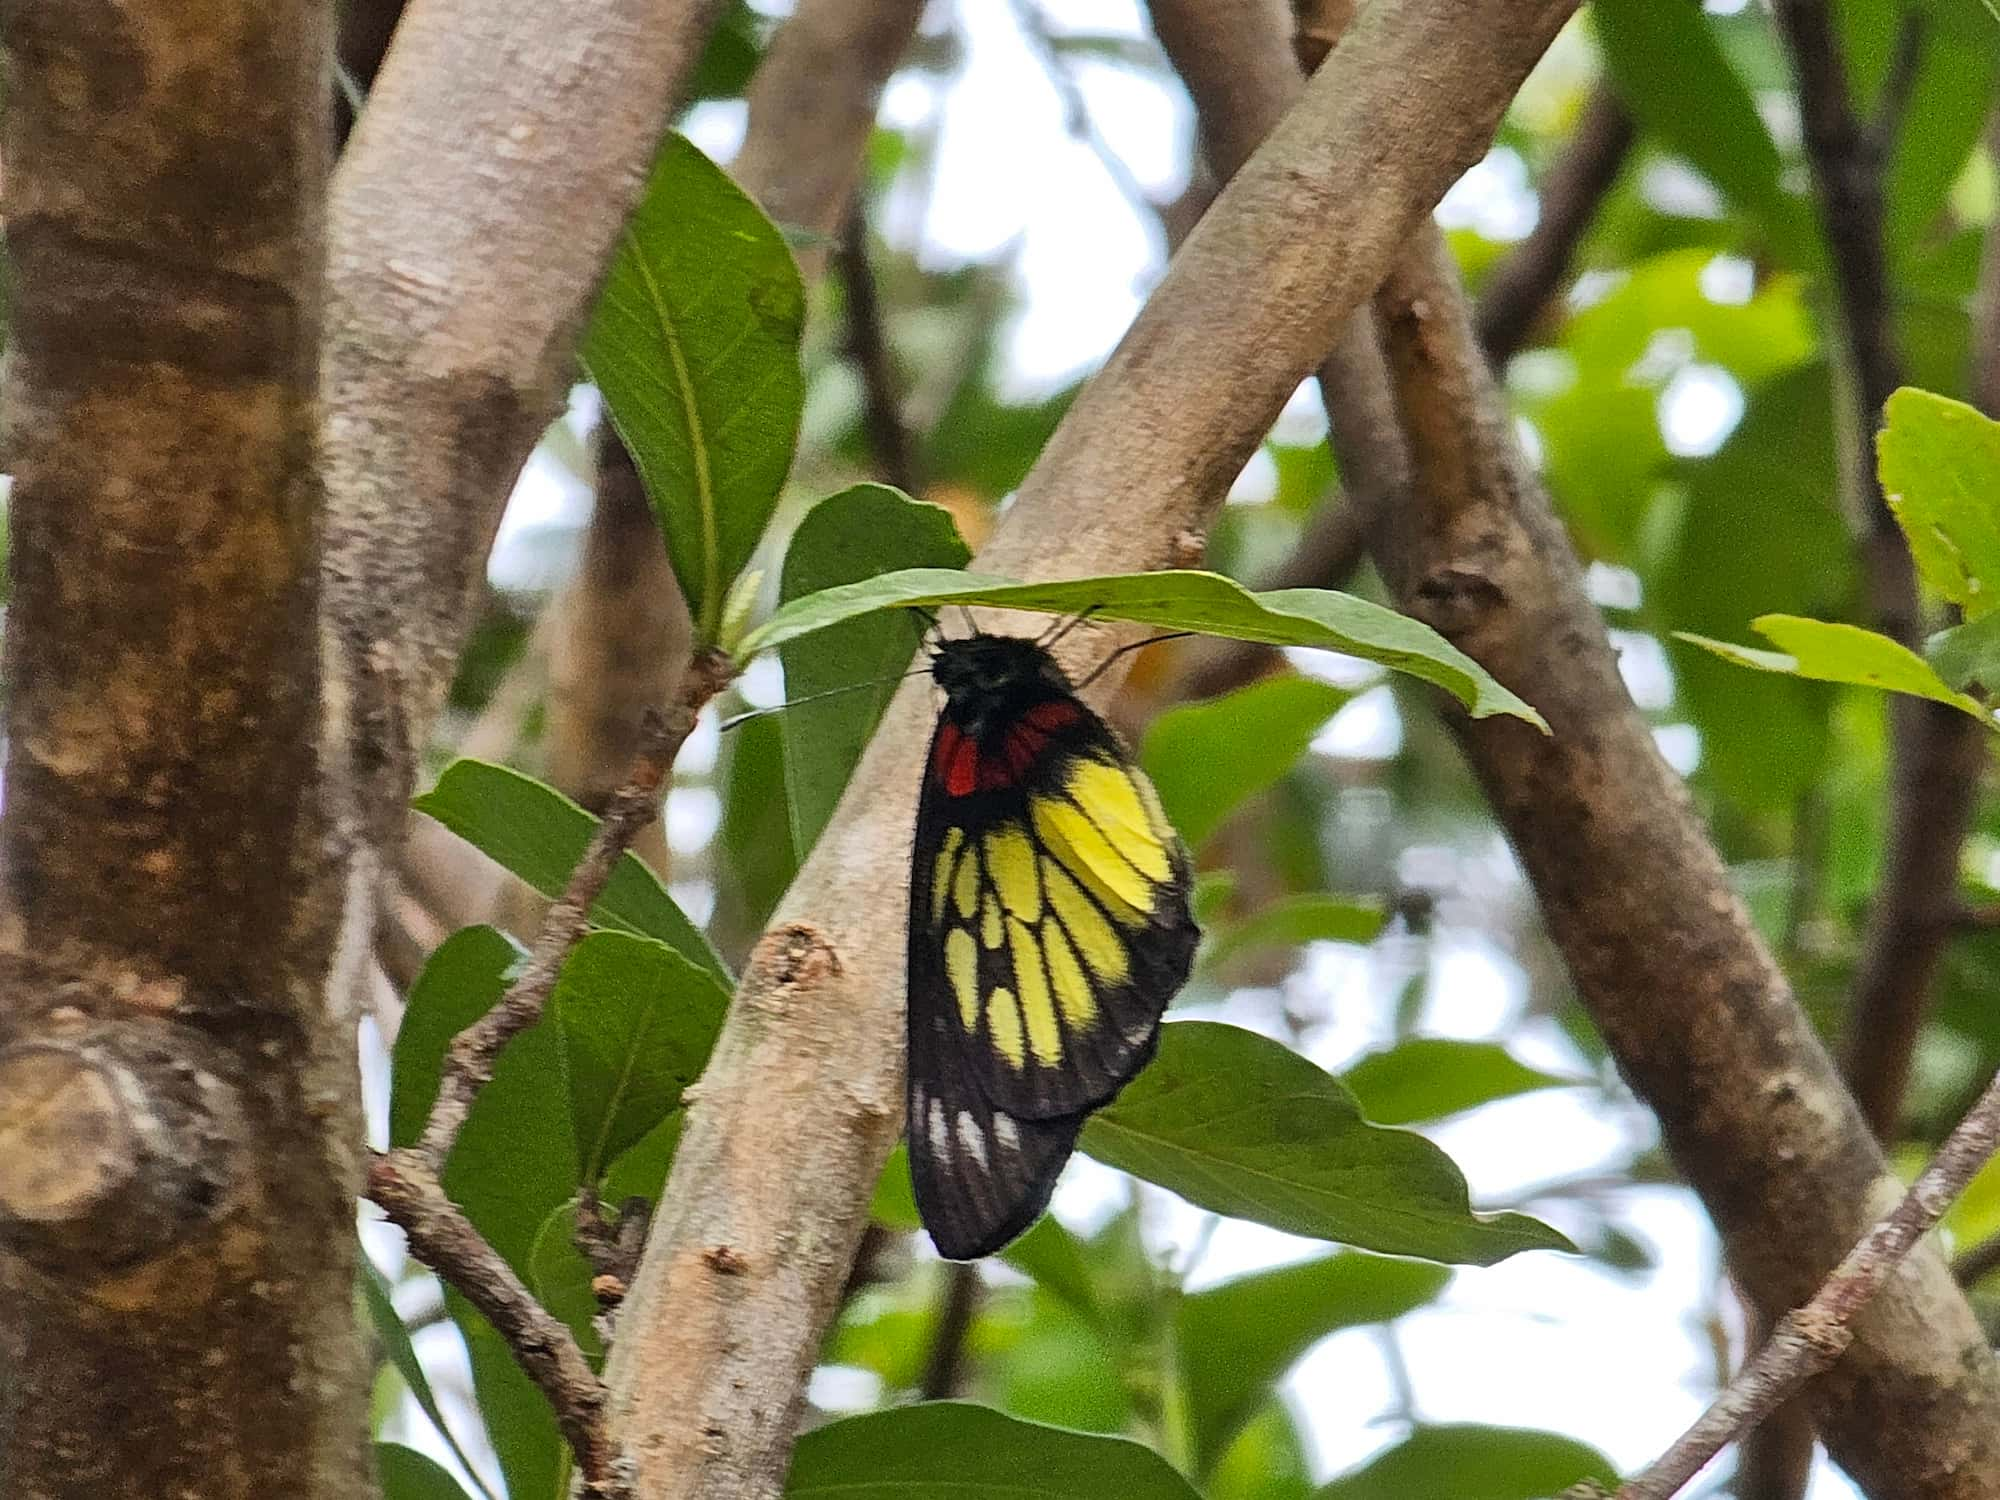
(1049, 929)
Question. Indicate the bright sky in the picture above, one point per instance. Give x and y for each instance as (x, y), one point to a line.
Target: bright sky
(1542, 1340)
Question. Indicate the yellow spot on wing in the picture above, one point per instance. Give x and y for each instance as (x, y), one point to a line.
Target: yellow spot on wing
(1028, 976)
(1086, 854)
(961, 964)
(1044, 1035)
(1110, 795)
(941, 873)
(965, 895)
(991, 928)
(1101, 947)
(1010, 862)
(1073, 992)
(1003, 1017)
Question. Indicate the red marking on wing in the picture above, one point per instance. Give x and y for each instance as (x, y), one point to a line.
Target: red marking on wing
(1024, 743)
(964, 772)
(1056, 713)
(943, 748)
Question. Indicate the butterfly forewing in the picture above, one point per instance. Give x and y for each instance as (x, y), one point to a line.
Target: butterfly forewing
(1049, 928)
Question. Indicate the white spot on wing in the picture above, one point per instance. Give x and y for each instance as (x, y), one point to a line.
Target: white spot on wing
(1003, 1128)
(972, 1137)
(940, 1130)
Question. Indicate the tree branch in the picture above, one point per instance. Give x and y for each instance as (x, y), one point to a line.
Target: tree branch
(1808, 1340)
(707, 1373)
(471, 218)
(1659, 946)
(868, 346)
(407, 1183)
(1520, 287)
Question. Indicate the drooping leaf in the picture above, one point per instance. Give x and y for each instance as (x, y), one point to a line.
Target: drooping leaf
(1236, 1341)
(519, 1423)
(559, 1277)
(1172, 600)
(535, 831)
(1428, 1078)
(1050, 1254)
(1474, 1463)
(857, 534)
(1206, 759)
(1290, 920)
(395, 1337)
(1827, 652)
(695, 346)
(1241, 1125)
(636, 1021)
(950, 1450)
(407, 1475)
(1265, 1461)
(1940, 468)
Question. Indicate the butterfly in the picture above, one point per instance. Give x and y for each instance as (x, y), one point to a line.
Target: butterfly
(1049, 928)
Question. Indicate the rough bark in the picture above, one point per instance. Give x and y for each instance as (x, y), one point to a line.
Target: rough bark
(178, 1122)
(753, 1246)
(1693, 1007)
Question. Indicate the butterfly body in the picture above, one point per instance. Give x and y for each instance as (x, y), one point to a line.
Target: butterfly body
(1049, 929)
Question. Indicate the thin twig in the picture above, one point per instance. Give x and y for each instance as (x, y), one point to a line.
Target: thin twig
(1568, 197)
(868, 347)
(443, 1238)
(407, 1183)
(1809, 1339)
(944, 1369)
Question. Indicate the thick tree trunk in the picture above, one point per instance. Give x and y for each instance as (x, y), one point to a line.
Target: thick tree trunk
(178, 1122)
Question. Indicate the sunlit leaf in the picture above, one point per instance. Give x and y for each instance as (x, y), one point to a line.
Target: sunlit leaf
(1827, 652)
(1172, 600)
(1940, 468)
(1241, 1125)
(695, 346)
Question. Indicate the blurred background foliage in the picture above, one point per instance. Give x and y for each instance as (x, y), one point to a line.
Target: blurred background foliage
(1677, 394)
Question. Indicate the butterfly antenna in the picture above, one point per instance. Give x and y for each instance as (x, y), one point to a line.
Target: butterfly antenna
(971, 620)
(1064, 626)
(1151, 640)
(851, 687)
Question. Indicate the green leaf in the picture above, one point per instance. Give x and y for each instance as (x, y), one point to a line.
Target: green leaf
(1237, 1340)
(1827, 652)
(637, 1022)
(1671, 72)
(1428, 1078)
(535, 831)
(462, 980)
(1939, 128)
(518, 1420)
(758, 861)
(949, 1450)
(1206, 759)
(395, 1337)
(1241, 1125)
(1173, 600)
(560, 1278)
(1308, 917)
(1940, 468)
(1968, 655)
(895, 1203)
(1474, 1463)
(1266, 1461)
(857, 534)
(407, 1475)
(1050, 1255)
(695, 346)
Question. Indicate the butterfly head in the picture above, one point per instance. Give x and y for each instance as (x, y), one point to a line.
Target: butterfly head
(990, 679)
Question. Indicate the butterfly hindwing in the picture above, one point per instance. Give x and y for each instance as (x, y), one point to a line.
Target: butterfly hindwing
(1049, 928)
